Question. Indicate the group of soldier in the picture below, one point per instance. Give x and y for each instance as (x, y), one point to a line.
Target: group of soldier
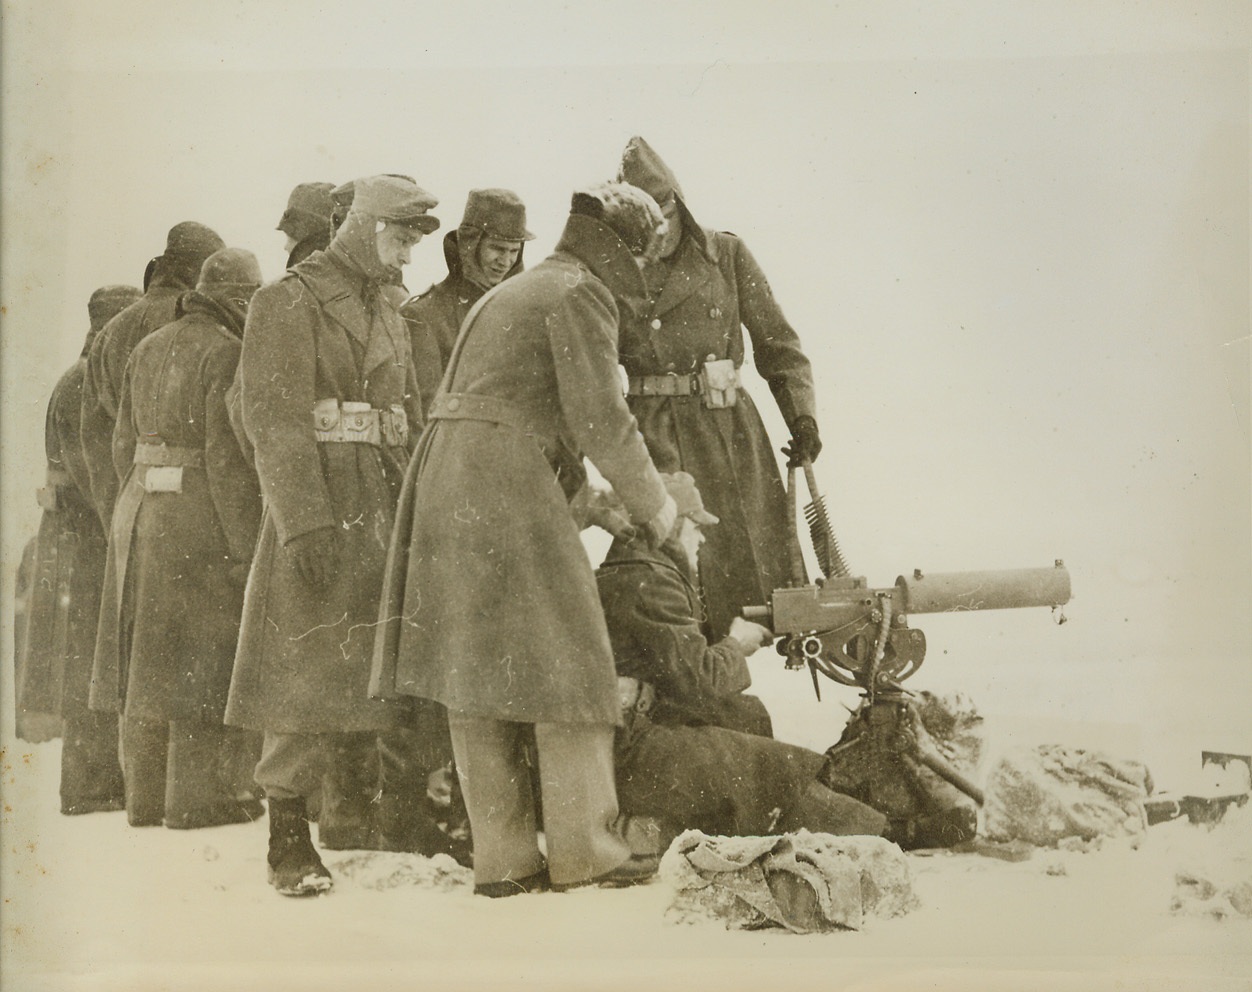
(317, 543)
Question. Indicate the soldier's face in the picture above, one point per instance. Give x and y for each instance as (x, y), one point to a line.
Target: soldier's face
(690, 538)
(496, 256)
(673, 228)
(395, 243)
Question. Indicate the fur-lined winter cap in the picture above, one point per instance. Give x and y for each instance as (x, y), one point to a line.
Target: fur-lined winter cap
(108, 301)
(190, 238)
(498, 213)
(629, 211)
(397, 200)
(682, 487)
(229, 267)
(643, 167)
(308, 210)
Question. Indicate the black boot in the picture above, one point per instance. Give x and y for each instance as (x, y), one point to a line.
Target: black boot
(294, 866)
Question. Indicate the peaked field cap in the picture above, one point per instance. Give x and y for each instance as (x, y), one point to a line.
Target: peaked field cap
(193, 239)
(397, 199)
(308, 204)
(682, 487)
(498, 213)
(108, 301)
(643, 167)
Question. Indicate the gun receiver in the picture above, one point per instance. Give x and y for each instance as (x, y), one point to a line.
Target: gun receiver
(859, 636)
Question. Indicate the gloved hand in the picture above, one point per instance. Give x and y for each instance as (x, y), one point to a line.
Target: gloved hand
(592, 507)
(662, 525)
(239, 573)
(804, 445)
(317, 556)
(749, 635)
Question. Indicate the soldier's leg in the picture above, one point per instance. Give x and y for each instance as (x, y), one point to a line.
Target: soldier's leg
(349, 788)
(290, 770)
(415, 763)
(144, 749)
(820, 810)
(579, 801)
(496, 783)
(91, 775)
(197, 792)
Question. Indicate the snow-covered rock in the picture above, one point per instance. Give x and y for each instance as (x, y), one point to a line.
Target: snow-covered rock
(1063, 796)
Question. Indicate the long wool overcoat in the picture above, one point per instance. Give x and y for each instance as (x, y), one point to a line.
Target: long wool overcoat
(69, 566)
(713, 290)
(102, 382)
(490, 604)
(676, 762)
(322, 331)
(174, 584)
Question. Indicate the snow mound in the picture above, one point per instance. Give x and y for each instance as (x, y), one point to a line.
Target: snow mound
(1214, 876)
(803, 882)
(1057, 796)
(381, 870)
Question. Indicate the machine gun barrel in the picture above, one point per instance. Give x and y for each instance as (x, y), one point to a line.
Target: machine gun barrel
(949, 592)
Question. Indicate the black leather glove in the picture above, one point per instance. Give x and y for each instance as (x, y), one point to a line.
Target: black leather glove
(804, 445)
(317, 556)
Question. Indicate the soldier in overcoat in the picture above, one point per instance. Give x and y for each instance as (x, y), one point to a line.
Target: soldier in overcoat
(167, 277)
(682, 355)
(184, 528)
(60, 636)
(681, 756)
(330, 406)
(485, 249)
(490, 604)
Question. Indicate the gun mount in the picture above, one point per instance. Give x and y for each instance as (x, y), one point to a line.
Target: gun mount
(858, 636)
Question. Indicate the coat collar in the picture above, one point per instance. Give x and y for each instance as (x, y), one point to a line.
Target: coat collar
(598, 247)
(637, 551)
(338, 290)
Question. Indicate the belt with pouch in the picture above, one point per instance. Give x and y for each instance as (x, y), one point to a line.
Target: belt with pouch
(49, 496)
(634, 697)
(159, 467)
(359, 423)
(717, 384)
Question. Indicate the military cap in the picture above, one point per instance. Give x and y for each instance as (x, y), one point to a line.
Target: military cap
(682, 487)
(396, 199)
(108, 301)
(627, 209)
(308, 210)
(498, 213)
(643, 167)
(230, 267)
(190, 238)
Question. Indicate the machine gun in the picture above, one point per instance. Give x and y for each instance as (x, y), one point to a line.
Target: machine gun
(858, 636)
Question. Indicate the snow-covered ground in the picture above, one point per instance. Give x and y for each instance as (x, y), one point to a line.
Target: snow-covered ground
(93, 904)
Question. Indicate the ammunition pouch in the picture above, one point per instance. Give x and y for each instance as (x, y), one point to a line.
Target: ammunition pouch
(635, 698)
(717, 384)
(359, 423)
(159, 467)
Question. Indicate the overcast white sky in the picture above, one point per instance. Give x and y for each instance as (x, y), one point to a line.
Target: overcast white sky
(1014, 239)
